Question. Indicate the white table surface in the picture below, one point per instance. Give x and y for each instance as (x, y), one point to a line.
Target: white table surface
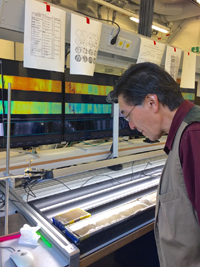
(43, 255)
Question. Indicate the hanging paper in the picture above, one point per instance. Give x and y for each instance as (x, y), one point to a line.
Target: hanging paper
(150, 51)
(172, 61)
(84, 43)
(188, 70)
(44, 36)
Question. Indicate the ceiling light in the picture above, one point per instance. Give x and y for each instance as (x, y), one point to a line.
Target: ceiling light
(134, 19)
(159, 29)
(198, 1)
(155, 26)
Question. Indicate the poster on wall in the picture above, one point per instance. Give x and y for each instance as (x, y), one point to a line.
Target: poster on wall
(150, 51)
(188, 70)
(44, 36)
(84, 43)
(172, 61)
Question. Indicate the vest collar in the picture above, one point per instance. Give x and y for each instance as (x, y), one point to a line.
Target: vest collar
(176, 122)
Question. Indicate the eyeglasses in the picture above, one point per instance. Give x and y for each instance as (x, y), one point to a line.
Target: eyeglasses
(127, 116)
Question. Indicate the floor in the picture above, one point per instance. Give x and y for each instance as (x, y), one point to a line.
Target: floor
(139, 253)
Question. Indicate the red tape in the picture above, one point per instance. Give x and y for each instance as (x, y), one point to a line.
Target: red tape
(87, 20)
(154, 42)
(174, 49)
(188, 53)
(47, 7)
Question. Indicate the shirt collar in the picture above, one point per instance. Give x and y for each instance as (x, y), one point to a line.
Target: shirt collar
(176, 122)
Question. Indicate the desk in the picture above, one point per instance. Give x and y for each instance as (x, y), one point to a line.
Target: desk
(44, 256)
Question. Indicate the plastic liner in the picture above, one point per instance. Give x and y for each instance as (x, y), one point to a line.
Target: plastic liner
(90, 226)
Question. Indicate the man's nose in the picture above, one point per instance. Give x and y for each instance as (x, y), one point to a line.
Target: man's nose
(132, 125)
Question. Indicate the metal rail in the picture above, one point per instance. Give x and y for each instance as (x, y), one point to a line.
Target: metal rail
(69, 251)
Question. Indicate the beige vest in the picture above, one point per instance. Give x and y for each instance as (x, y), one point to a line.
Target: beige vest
(177, 229)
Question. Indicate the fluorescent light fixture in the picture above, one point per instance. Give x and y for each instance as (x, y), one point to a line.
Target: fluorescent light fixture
(155, 26)
(134, 19)
(159, 29)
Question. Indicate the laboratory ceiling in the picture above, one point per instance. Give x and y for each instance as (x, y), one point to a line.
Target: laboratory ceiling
(182, 17)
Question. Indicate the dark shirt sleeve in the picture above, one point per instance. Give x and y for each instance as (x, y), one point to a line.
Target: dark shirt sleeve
(190, 161)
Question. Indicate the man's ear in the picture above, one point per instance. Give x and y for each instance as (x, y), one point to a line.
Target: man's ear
(152, 102)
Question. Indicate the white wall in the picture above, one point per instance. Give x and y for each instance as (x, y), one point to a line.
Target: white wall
(11, 50)
(6, 49)
(188, 36)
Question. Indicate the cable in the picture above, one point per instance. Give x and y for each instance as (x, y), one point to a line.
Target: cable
(92, 144)
(36, 182)
(58, 181)
(114, 39)
(8, 248)
(148, 162)
(109, 155)
(97, 176)
(30, 192)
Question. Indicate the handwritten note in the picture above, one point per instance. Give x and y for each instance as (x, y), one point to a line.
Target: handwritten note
(150, 51)
(172, 61)
(44, 36)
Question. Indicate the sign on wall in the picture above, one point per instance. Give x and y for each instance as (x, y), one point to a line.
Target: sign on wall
(195, 49)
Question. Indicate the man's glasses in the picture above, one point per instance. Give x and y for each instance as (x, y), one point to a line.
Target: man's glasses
(127, 116)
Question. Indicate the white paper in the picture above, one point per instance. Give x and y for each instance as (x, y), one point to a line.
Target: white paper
(172, 61)
(1, 129)
(188, 70)
(150, 51)
(44, 37)
(84, 44)
(198, 88)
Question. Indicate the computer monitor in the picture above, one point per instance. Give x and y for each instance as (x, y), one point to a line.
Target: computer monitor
(50, 107)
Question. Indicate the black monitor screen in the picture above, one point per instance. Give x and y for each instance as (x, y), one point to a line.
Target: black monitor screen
(49, 107)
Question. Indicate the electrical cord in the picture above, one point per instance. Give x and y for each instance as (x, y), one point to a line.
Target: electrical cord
(97, 176)
(2, 201)
(8, 248)
(145, 174)
(31, 193)
(85, 143)
(109, 156)
(114, 39)
(59, 182)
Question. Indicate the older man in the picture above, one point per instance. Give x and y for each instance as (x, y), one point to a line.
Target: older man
(151, 101)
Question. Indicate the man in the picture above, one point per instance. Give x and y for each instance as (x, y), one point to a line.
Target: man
(151, 101)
